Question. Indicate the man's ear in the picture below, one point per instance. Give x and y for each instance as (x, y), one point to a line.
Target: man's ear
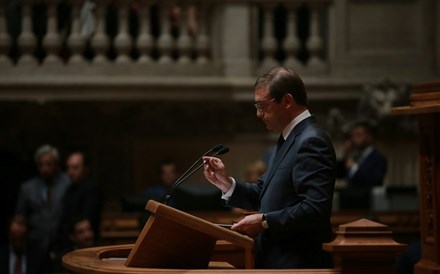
(289, 101)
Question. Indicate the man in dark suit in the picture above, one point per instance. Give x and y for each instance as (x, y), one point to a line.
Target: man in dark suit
(40, 199)
(294, 197)
(18, 256)
(362, 164)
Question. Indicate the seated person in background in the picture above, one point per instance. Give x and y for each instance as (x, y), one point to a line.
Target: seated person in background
(20, 257)
(81, 235)
(254, 170)
(167, 176)
(362, 164)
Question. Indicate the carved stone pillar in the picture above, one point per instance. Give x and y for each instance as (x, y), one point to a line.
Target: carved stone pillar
(100, 41)
(144, 41)
(5, 39)
(27, 40)
(52, 39)
(291, 44)
(364, 247)
(123, 42)
(75, 41)
(165, 42)
(202, 37)
(184, 42)
(314, 42)
(268, 41)
(425, 103)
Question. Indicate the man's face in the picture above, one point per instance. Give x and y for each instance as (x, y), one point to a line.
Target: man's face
(360, 138)
(47, 166)
(270, 112)
(168, 175)
(75, 168)
(83, 235)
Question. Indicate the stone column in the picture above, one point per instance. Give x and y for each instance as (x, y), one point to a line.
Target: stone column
(235, 39)
(27, 40)
(5, 38)
(75, 41)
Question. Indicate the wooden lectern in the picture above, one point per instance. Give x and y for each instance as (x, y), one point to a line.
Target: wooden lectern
(175, 239)
(170, 241)
(425, 103)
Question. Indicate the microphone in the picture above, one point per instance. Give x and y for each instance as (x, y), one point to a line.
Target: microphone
(216, 150)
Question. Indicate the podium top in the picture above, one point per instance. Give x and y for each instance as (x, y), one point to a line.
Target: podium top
(425, 98)
(199, 224)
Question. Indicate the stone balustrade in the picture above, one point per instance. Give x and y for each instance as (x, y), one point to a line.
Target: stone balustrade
(150, 36)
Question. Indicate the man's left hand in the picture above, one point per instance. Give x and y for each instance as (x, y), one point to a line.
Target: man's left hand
(249, 225)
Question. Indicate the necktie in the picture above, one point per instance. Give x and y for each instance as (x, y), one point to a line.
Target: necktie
(280, 142)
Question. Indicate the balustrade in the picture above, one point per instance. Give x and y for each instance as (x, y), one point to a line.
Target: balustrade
(154, 33)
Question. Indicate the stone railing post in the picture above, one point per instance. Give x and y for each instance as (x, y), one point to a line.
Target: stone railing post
(5, 38)
(123, 41)
(75, 41)
(292, 44)
(52, 39)
(315, 42)
(145, 40)
(165, 42)
(27, 40)
(100, 40)
(364, 246)
(268, 41)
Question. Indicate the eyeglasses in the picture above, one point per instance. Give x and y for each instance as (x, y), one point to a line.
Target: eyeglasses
(260, 106)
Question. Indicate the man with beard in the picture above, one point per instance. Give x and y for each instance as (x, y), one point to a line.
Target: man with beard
(362, 164)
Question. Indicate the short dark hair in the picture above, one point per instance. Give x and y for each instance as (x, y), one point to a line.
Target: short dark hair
(73, 221)
(368, 125)
(281, 81)
(84, 155)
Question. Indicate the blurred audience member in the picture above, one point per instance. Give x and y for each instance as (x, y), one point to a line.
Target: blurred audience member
(40, 199)
(82, 198)
(81, 235)
(362, 164)
(167, 176)
(254, 171)
(18, 257)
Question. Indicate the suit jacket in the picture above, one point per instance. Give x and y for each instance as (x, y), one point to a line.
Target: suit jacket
(296, 194)
(36, 261)
(83, 200)
(43, 216)
(371, 171)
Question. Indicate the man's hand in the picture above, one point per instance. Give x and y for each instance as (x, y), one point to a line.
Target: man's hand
(215, 172)
(249, 225)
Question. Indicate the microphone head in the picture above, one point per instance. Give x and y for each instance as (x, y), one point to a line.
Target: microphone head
(223, 150)
(214, 149)
(217, 147)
